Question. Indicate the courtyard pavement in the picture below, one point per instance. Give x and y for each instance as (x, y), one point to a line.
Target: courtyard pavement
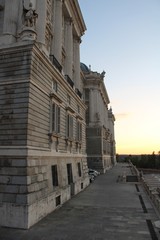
(106, 210)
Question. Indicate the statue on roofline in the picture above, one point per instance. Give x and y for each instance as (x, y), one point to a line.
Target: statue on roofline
(103, 74)
(30, 16)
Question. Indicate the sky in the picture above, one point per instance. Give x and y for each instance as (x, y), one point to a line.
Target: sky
(123, 38)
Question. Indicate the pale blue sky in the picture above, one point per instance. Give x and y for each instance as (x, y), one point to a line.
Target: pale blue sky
(123, 38)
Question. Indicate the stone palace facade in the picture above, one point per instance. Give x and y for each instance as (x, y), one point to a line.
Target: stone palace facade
(101, 154)
(42, 114)
(43, 157)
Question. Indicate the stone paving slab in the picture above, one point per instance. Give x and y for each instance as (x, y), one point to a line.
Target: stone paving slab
(106, 210)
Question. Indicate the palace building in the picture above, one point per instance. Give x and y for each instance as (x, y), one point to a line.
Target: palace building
(43, 159)
(54, 116)
(101, 154)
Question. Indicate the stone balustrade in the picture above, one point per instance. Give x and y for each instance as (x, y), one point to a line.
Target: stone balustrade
(151, 184)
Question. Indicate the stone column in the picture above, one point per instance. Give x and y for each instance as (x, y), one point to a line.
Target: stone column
(41, 22)
(91, 106)
(76, 58)
(56, 48)
(68, 47)
(10, 20)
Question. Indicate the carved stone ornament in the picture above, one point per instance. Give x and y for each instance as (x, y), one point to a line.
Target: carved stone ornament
(29, 22)
(103, 74)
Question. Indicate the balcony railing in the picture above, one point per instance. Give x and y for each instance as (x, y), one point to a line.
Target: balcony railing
(78, 93)
(69, 80)
(56, 63)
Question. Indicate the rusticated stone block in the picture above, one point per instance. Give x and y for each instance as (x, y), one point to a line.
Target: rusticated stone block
(31, 171)
(23, 189)
(9, 188)
(36, 170)
(32, 197)
(44, 169)
(12, 189)
(19, 180)
(36, 187)
(1, 197)
(31, 188)
(40, 177)
(21, 199)
(45, 176)
(13, 171)
(5, 179)
(10, 198)
(19, 163)
(5, 162)
(34, 178)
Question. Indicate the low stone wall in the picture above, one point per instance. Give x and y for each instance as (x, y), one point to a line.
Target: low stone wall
(153, 192)
(134, 170)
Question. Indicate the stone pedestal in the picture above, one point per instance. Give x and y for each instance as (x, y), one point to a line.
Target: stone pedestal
(27, 34)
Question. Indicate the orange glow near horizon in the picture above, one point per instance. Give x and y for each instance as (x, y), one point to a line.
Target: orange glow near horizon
(135, 135)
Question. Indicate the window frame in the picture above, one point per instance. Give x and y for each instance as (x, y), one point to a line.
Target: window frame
(54, 171)
(69, 126)
(56, 118)
(79, 131)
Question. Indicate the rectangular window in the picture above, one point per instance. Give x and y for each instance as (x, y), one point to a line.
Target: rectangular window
(68, 99)
(79, 169)
(55, 118)
(79, 131)
(54, 86)
(54, 175)
(78, 108)
(69, 126)
(69, 173)
(58, 200)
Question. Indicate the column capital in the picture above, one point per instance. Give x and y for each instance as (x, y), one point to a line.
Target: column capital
(68, 20)
(77, 39)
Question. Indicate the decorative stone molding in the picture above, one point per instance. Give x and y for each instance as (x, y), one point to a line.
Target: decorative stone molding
(54, 95)
(79, 117)
(102, 75)
(68, 108)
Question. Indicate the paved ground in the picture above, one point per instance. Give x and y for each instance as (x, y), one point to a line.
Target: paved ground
(106, 210)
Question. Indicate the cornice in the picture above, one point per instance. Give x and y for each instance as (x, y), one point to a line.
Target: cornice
(75, 13)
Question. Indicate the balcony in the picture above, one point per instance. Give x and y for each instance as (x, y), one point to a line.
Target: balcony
(69, 80)
(56, 63)
(78, 93)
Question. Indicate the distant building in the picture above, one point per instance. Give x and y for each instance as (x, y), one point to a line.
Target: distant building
(42, 114)
(101, 153)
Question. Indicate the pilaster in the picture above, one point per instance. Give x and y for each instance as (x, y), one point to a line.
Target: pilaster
(92, 105)
(10, 21)
(41, 23)
(68, 47)
(56, 47)
(76, 58)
